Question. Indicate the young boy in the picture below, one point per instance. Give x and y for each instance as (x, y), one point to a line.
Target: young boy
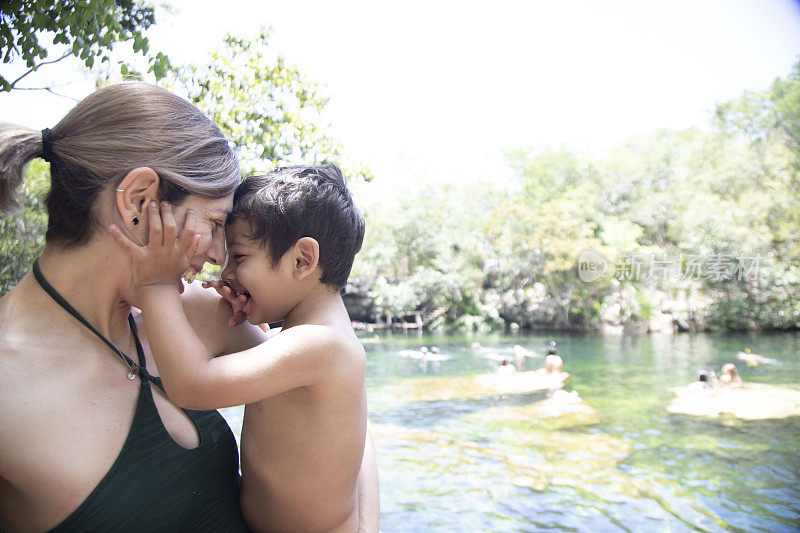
(291, 239)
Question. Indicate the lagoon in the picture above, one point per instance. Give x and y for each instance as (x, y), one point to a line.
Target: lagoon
(452, 459)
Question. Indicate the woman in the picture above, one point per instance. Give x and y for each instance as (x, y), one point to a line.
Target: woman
(88, 439)
(730, 376)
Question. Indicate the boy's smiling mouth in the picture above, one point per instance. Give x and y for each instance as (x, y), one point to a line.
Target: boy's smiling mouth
(237, 293)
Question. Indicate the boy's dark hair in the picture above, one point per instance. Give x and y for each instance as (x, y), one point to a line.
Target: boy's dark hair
(294, 202)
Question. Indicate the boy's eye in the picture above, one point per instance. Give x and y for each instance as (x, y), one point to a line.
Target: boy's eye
(238, 257)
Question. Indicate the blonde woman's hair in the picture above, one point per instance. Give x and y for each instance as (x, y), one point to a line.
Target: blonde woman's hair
(730, 369)
(111, 132)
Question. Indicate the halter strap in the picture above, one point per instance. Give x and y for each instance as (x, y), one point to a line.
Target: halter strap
(134, 368)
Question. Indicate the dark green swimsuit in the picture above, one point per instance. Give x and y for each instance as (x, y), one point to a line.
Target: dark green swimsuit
(155, 484)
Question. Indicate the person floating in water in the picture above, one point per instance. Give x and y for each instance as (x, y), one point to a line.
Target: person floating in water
(435, 355)
(753, 359)
(730, 376)
(553, 364)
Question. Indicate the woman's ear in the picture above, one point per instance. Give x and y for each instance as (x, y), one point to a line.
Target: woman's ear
(305, 257)
(134, 193)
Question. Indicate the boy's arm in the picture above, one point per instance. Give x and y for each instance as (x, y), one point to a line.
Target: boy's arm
(193, 379)
(297, 357)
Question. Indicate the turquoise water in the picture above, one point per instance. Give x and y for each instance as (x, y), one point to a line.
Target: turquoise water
(455, 459)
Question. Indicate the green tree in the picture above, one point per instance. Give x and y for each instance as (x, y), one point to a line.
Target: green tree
(87, 30)
(22, 234)
(424, 250)
(269, 110)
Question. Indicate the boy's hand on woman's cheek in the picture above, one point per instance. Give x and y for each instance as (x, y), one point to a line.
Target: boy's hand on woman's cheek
(235, 302)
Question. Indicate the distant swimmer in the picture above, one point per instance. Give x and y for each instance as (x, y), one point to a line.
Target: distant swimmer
(492, 354)
(730, 376)
(753, 359)
(435, 355)
(703, 386)
(481, 349)
(506, 368)
(520, 353)
(415, 354)
(553, 364)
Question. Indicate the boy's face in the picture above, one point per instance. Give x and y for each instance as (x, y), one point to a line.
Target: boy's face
(249, 270)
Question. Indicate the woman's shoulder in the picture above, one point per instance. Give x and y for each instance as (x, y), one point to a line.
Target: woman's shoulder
(23, 323)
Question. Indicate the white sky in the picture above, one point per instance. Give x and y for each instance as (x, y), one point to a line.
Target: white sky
(440, 90)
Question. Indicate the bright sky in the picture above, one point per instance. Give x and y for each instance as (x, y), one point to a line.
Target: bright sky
(435, 90)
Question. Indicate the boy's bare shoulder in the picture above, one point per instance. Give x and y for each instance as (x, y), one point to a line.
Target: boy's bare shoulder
(331, 345)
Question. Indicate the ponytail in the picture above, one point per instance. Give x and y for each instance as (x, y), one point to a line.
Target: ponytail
(17, 146)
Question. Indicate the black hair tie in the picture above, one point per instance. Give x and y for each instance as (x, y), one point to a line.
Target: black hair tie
(47, 145)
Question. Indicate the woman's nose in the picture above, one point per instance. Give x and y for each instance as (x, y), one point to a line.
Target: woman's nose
(228, 271)
(216, 252)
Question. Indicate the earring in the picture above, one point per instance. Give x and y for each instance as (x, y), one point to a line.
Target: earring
(135, 221)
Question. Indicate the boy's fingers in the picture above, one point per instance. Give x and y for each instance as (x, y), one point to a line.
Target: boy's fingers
(156, 236)
(193, 246)
(237, 319)
(225, 292)
(168, 220)
(190, 222)
(189, 274)
(188, 238)
(213, 283)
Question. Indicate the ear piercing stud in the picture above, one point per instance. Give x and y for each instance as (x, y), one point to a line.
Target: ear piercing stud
(135, 221)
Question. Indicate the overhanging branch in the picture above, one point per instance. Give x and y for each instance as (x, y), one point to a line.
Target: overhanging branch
(36, 67)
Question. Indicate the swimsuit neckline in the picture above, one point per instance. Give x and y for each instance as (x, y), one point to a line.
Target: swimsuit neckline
(134, 369)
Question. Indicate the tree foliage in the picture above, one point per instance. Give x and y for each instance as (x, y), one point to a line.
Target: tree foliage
(86, 30)
(709, 205)
(269, 110)
(22, 234)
